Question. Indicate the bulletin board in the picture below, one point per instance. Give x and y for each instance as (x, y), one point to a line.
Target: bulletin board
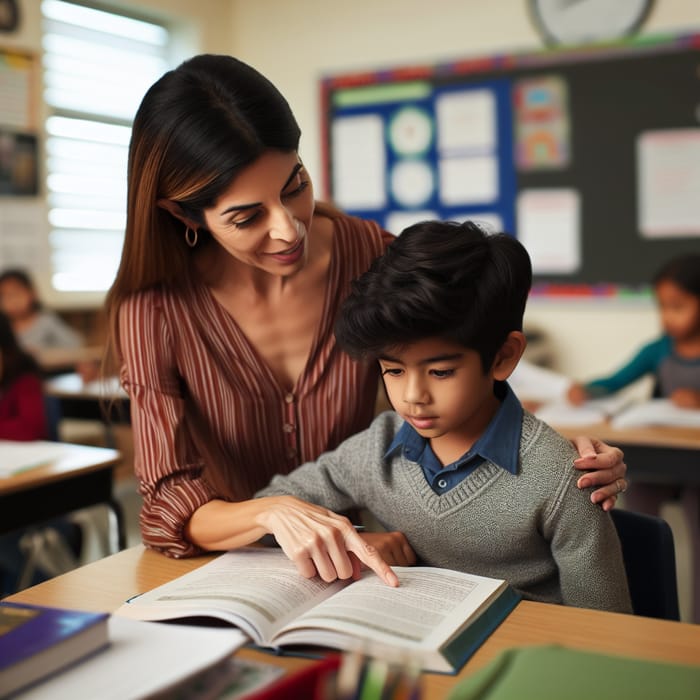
(591, 157)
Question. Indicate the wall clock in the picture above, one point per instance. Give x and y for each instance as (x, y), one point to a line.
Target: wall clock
(587, 21)
(9, 15)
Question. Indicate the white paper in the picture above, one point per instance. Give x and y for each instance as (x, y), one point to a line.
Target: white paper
(359, 162)
(657, 412)
(468, 180)
(668, 192)
(143, 658)
(549, 226)
(17, 456)
(561, 413)
(531, 382)
(466, 121)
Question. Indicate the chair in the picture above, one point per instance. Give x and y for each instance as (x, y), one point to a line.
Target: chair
(650, 563)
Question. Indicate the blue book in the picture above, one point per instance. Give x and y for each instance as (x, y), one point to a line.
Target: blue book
(37, 641)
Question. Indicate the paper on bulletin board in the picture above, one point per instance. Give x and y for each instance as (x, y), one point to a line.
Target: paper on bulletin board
(359, 162)
(549, 226)
(17, 75)
(668, 177)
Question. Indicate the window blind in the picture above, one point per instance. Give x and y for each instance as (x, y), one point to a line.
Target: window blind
(97, 65)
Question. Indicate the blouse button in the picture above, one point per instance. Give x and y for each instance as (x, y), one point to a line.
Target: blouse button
(289, 398)
(288, 428)
(442, 483)
(291, 453)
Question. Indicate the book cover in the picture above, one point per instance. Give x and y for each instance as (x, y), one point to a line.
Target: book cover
(437, 617)
(36, 641)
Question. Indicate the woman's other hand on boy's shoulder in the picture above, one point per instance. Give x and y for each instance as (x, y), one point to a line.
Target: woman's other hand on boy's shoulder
(686, 398)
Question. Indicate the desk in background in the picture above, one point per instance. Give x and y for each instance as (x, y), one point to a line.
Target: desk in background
(666, 456)
(101, 400)
(104, 585)
(79, 477)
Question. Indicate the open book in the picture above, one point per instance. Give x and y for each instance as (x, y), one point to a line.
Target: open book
(436, 618)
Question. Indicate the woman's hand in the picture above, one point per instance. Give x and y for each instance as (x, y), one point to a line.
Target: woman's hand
(393, 547)
(321, 542)
(606, 469)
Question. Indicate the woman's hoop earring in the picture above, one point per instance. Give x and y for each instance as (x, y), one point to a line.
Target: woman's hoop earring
(191, 237)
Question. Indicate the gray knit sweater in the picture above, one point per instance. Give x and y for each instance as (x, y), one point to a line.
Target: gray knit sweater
(534, 529)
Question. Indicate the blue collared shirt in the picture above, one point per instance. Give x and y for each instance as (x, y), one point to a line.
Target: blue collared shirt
(499, 443)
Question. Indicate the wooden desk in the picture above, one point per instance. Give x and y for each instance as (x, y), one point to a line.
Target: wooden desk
(80, 477)
(54, 360)
(106, 584)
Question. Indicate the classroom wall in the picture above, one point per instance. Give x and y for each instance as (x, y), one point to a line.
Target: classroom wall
(297, 43)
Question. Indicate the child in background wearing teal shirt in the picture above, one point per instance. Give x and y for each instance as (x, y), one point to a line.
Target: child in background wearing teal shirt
(674, 358)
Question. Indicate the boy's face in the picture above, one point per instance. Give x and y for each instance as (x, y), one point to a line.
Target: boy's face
(440, 388)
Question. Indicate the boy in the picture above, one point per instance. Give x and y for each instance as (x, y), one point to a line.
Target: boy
(474, 482)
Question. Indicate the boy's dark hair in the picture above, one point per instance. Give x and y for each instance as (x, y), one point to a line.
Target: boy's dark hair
(438, 279)
(683, 270)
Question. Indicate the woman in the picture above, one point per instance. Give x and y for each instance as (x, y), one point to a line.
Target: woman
(222, 318)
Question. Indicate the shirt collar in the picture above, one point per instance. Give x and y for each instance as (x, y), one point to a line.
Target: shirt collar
(499, 443)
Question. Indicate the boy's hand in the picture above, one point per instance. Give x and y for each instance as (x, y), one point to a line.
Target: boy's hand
(321, 542)
(576, 394)
(605, 467)
(686, 398)
(393, 547)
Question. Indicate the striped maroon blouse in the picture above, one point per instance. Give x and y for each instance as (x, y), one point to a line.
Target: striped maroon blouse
(200, 393)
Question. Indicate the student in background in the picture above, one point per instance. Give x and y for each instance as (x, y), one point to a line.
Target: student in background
(221, 314)
(35, 327)
(674, 358)
(22, 408)
(473, 481)
(23, 418)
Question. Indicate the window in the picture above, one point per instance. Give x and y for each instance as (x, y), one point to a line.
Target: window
(97, 66)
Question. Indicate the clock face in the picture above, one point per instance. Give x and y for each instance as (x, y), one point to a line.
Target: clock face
(587, 21)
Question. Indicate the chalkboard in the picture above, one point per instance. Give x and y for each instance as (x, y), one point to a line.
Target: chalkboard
(618, 169)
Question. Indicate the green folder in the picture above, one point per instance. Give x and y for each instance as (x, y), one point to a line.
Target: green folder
(555, 672)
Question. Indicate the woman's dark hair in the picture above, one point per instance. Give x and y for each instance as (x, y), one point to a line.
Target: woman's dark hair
(197, 127)
(438, 279)
(21, 277)
(14, 361)
(683, 270)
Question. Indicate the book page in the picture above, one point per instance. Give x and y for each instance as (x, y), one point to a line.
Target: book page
(256, 589)
(424, 612)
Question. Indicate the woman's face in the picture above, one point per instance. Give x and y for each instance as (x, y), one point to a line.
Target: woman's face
(16, 301)
(680, 310)
(264, 217)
